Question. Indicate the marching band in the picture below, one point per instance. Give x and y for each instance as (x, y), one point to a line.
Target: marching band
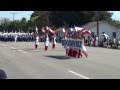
(16, 37)
(72, 34)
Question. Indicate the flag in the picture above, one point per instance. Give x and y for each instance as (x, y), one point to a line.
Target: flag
(82, 30)
(78, 29)
(85, 31)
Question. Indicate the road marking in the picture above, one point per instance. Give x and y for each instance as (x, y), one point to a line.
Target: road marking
(78, 74)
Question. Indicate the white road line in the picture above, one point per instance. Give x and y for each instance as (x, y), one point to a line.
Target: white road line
(78, 74)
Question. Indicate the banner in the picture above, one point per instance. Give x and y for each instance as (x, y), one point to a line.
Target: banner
(72, 43)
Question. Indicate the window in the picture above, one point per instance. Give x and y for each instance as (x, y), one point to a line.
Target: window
(114, 34)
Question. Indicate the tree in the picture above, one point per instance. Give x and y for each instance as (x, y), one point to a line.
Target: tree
(41, 18)
(30, 25)
(57, 19)
(103, 15)
(70, 18)
(16, 25)
(24, 24)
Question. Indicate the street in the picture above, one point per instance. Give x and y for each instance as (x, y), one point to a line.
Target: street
(21, 61)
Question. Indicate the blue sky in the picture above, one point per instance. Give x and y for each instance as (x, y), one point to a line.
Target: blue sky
(18, 15)
(26, 14)
(116, 15)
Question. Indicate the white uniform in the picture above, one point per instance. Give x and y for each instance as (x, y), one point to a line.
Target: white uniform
(37, 40)
(47, 41)
(54, 40)
(16, 38)
(83, 46)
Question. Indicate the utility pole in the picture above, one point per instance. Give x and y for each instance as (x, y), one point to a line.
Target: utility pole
(13, 15)
(97, 14)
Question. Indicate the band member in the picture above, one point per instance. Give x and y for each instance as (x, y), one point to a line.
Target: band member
(46, 42)
(105, 39)
(36, 41)
(16, 37)
(53, 34)
(84, 50)
(96, 41)
(54, 42)
(66, 37)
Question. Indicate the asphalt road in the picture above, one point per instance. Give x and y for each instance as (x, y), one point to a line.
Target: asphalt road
(21, 61)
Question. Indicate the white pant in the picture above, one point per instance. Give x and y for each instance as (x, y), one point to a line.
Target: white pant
(36, 43)
(83, 48)
(46, 43)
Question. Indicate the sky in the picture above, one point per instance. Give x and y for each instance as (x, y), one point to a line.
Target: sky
(20, 14)
(116, 15)
(17, 16)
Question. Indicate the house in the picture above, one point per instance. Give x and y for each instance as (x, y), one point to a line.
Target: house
(104, 26)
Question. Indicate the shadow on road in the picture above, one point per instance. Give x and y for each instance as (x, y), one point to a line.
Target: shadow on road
(59, 57)
(3, 74)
